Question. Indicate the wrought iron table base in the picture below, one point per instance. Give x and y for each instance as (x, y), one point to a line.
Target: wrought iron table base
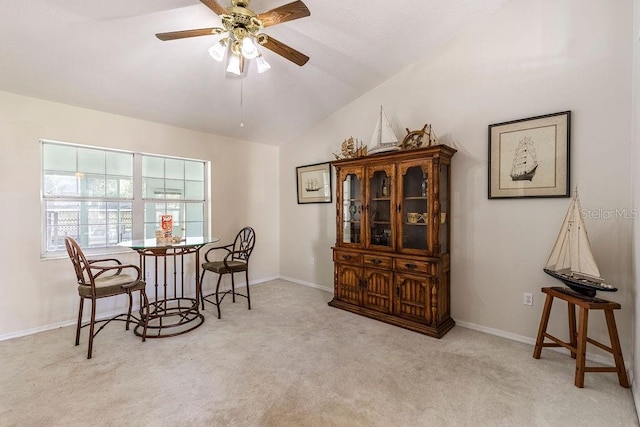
(172, 313)
(171, 317)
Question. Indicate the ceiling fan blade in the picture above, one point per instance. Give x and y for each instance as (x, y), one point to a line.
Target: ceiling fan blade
(286, 52)
(173, 35)
(213, 5)
(288, 12)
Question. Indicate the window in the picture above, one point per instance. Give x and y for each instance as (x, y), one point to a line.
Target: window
(101, 197)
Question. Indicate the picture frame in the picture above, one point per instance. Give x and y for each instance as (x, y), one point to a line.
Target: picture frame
(313, 183)
(530, 157)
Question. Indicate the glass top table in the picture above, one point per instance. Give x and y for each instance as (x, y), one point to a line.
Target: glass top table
(153, 243)
(173, 310)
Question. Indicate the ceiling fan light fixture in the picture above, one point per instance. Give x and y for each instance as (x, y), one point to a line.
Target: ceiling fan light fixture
(241, 34)
(262, 64)
(218, 50)
(234, 65)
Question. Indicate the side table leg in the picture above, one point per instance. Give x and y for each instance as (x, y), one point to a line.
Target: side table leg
(581, 347)
(546, 311)
(571, 311)
(615, 346)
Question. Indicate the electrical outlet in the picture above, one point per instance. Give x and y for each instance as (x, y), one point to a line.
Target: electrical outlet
(528, 298)
(312, 260)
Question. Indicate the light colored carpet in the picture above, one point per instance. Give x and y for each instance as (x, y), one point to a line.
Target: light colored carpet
(294, 361)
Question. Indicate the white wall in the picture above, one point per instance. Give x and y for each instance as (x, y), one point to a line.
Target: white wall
(528, 59)
(636, 199)
(37, 293)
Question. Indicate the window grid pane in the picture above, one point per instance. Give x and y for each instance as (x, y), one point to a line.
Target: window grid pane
(179, 180)
(93, 224)
(59, 183)
(188, 218)
(91, 161)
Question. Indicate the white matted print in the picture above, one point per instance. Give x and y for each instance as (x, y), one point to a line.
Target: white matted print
(314, 183)
(530, 157)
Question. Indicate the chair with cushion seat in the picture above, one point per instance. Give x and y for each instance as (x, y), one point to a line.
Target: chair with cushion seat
(103, 278)
(236, 260)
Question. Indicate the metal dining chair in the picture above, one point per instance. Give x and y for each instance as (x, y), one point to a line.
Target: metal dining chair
(236, 260)
(102, 278)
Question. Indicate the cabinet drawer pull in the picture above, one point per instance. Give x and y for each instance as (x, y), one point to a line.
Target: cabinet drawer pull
(411, 266)
(376, 261)
(347, 256)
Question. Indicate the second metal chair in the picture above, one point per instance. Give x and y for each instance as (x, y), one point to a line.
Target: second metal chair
(236, 260)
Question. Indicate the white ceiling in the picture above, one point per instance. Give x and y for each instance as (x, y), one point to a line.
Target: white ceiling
(103, 55)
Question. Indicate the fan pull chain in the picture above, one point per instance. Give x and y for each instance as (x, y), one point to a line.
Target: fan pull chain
(241, 105)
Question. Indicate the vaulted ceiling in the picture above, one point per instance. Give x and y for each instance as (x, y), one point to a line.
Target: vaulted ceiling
(103, 55)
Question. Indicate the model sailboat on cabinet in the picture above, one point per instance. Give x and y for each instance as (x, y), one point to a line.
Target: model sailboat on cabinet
(383, 139)
(571, 260)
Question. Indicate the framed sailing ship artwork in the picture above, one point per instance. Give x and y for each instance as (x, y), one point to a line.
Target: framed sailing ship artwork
(530, 157)
(314, 183)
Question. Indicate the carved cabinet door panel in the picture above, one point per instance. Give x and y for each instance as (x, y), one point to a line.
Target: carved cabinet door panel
(378, 289)
(348, 283)
(415, 298)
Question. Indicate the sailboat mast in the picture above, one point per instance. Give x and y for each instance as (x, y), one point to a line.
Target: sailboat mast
(380, 128)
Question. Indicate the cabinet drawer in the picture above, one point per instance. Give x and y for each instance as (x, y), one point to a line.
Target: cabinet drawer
(416, 266)
(346, 256)
(377, 261)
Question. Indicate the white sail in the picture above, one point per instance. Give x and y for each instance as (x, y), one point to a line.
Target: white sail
(383, 139)
(572, 250)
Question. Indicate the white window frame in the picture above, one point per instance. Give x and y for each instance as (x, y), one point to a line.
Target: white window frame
(138, 202)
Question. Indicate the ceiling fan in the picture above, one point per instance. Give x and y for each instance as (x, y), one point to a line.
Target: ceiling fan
(243, 27)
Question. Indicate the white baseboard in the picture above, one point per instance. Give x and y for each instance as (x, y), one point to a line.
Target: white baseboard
(262, 280)
(309, 284)
(497, 332)
(63, 324)
(607, 361)
(72, 322)
(31, 331)
(226, 286)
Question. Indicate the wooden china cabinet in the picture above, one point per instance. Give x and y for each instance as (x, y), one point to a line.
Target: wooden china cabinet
(391, 258)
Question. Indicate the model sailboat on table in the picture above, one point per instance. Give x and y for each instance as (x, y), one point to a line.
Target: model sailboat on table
(571, 260)
(383, 139)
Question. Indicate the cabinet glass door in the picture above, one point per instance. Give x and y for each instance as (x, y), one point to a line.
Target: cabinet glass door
(444, 209)
(415, 213)
(351, 209)
(380, 194)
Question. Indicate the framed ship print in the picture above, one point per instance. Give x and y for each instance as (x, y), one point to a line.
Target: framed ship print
(314, 183)
(530, 157)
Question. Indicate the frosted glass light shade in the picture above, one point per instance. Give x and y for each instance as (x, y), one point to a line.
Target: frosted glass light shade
(218, 50)
(234, 65)
(249, 49)
(262, 64)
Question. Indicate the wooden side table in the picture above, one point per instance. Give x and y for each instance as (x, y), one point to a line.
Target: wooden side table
(578, 339)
